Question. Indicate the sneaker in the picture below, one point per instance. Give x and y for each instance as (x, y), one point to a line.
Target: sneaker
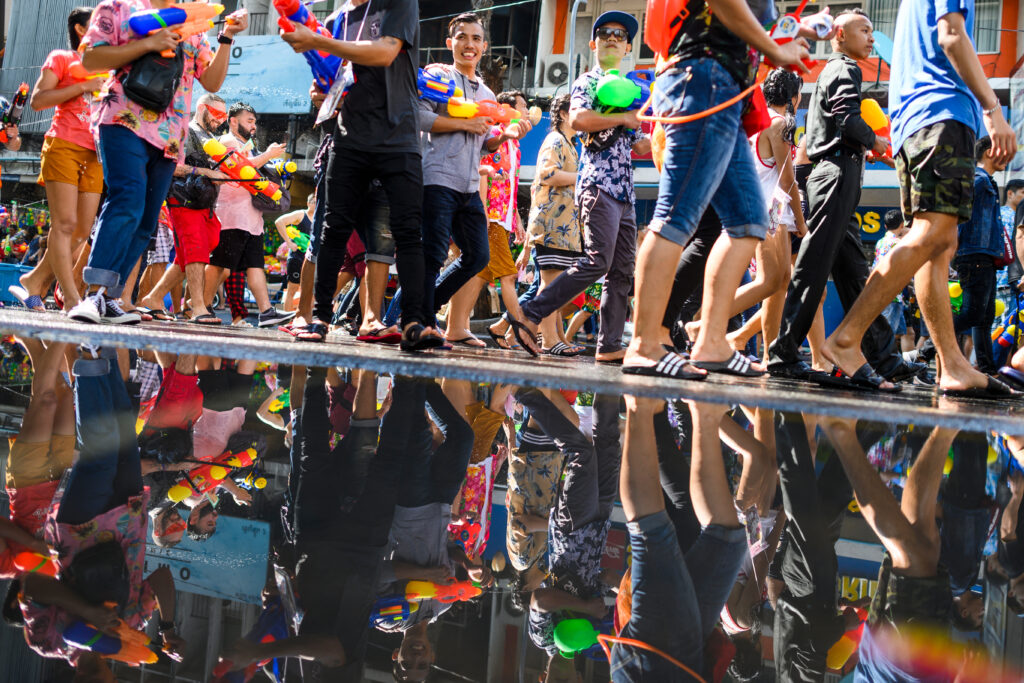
(115, 315)
(241, 322)
(272, 317)
(89, 310)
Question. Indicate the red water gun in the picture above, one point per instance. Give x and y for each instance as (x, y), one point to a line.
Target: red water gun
(12, 116)
(235, 164)
(787, 28)
(294, 11)
(28, 562)
(460, 591)
(207, 477)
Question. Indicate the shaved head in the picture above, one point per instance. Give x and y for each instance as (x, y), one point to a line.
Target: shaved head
(854, 34)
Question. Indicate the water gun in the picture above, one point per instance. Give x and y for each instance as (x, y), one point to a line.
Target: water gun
(324, 65)
(436, 89)
(79, 73)
(873, 115)
(627, 92)
(301, 240)
(459, 108)
(1003, 342)
(207, 477)
(787, 28)
(12, 116)
(188, 18)
(271, 626)
(843, 648)
(466, 532)
(284, 168)
(460, 591)
(574, 635)
(235, 164)
(128, 646)
(956, 295)
(394, 609)
(28, 562)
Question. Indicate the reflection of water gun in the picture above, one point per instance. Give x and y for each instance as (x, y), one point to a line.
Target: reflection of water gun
(207, 477)
(270, 627)
(787, 28)
(956, 295)
(873, 115)
(299, 238)
(236, 165)
(188, 18)
(460, 591)
(843, 648)
(627, 92)
(28, 562)
(393, 609)
(435, 88)
(12, 116)
(79, 73)
(284, 398)
(466, 532)
(324, 65)
(128, 646)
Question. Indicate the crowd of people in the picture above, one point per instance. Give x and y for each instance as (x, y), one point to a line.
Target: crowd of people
(375, 481)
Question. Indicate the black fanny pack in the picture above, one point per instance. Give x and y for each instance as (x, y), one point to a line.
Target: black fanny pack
(153, 80)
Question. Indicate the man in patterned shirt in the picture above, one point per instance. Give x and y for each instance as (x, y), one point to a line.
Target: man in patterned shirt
(604, 194)
(139, 148)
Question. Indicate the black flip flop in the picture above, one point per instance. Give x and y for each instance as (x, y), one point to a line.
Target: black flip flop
(993, 389)
(865, 379)
(737, 364)
(1012, 377)
(413, 339)
(671, 365)
(465, 341)
(561, 349)
(208, 319)
(522, 332)
(499, 340)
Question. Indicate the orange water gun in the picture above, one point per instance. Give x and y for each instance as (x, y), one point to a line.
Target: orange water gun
(460, 591)
(188, 18)
(873, 115)
(128, 646)
(27, 561)
(207, 477)
(79, 73)
(235, 164)
(459, 108)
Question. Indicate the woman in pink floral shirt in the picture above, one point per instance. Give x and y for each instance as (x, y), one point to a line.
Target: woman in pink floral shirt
(139, 148)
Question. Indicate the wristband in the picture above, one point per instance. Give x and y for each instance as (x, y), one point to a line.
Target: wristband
(989, 112)
(224, 39)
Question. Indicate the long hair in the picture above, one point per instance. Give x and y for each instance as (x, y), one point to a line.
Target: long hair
(779, 88)
(78, 17)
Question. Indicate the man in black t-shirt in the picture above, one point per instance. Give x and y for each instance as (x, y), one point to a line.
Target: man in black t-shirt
(377, 139)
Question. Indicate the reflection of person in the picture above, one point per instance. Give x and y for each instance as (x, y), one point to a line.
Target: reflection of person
(98, 527)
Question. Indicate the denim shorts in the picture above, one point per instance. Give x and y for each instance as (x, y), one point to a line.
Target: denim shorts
(708, 160)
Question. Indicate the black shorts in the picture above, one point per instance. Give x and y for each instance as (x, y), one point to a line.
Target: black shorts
(550, 258)
(294, 265)
(224, 389)
(238, 250)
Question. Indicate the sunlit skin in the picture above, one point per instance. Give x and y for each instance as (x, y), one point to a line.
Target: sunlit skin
(204, 518)
(416, 655)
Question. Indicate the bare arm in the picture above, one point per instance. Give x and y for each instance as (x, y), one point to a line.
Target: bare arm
(590, 121)
(534, 523)
(787, 176)
(555, 599)
(736, 16)
(162, 583)
(106, 57)
(46, 94)
(325, 649)
(214, 75)
(48, 591)
(380, 52)
(12, 532)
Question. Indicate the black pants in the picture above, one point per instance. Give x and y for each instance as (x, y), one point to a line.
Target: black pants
(349, 173)
(978, 281)
(690, 271)
(674, 447)
(832, 245)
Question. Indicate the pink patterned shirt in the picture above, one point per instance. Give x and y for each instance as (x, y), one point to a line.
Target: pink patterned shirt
(164, 130)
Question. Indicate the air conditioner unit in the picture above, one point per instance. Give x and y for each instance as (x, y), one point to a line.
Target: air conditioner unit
(557, 73)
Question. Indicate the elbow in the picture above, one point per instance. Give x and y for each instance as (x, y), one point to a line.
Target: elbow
(89, 60)
(949, 40)
(33, 104)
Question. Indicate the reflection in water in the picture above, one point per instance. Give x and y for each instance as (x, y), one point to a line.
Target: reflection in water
(230, 520)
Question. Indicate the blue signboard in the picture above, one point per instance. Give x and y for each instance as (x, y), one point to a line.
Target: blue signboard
(265, 72)
(231, 564)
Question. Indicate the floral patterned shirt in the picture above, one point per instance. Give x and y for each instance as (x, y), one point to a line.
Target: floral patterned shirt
(532, 487)
(164, 130)
(553, 222)
(605, 161)
(125, 524)
(502, 189)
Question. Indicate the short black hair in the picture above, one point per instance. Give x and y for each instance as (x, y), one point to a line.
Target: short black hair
(77, 17)
(509, 97)
(1014, 185)
(981, 146)
(893, 219)
(193, 531)
(464, 18)
(238, 107)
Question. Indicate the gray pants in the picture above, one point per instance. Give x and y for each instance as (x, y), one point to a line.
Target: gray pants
(609, 249)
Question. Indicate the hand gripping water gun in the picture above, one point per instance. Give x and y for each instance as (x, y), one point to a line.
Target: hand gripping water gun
(627, 92)
(190, 18)
(271, 626)
(394, 609)
(436, 89)
(441, 91)
(207, 477)
(236, 165)
(324, 65)
(128, 646)
(460, 591)
(284, 167)
(28, 562)
(873, 115)
(787, 28)
(843, 648)
(79, 73)
(301, 240)
(12, 116)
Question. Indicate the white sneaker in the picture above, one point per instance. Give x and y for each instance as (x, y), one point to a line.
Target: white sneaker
(89, 310)
(115, 315)
(241, 322)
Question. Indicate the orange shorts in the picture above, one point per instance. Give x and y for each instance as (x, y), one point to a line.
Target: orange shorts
(34, 463)
(501, 263)
(66, 162)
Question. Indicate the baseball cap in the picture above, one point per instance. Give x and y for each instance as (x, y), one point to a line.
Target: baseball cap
(627, 20)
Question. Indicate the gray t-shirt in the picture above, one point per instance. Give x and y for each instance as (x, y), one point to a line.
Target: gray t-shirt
(451, 160)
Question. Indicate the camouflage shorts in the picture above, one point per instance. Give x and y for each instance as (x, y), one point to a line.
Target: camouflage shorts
(936, 171)
(900, 600)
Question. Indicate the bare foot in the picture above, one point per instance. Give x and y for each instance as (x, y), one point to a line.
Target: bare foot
(692, 329)
(603, 357)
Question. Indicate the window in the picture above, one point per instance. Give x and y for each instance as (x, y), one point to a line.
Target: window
(987, 15)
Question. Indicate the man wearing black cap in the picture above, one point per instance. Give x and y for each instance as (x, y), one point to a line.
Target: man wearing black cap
(604, 193)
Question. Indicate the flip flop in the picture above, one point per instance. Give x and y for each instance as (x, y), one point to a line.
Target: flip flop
(499, 340)
(32, 302)
(1012, 377)
(315, 331)
(144, 316)
(414, 340)
(671, 365)
(380, 336)
(522, 333)
(993, 389)
(157, 313)
(562, 349)
(208, 319)
(864, 379)
(737, 364)
(465, 341)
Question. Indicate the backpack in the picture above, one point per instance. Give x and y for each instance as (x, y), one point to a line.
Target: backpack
(153, 80)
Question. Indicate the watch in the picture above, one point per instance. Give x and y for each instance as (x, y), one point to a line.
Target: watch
(224, 39)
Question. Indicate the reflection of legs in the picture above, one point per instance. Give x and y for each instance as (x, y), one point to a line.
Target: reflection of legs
(448, 464)
(674, 472)
(38, 422)
(372, 295)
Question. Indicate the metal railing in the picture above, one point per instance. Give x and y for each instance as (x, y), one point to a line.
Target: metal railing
(265, 23)
(517, 75)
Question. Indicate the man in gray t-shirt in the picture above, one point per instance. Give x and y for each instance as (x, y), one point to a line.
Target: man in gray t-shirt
(452, 148)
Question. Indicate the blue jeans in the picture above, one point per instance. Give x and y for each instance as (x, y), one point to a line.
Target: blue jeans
(451, 216)
(108, 470)
(676, 600)
(138, 176)
(893, 315)
(701, 154)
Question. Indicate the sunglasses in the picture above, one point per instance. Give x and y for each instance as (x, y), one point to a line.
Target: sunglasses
(617, 33)
(218, 114)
